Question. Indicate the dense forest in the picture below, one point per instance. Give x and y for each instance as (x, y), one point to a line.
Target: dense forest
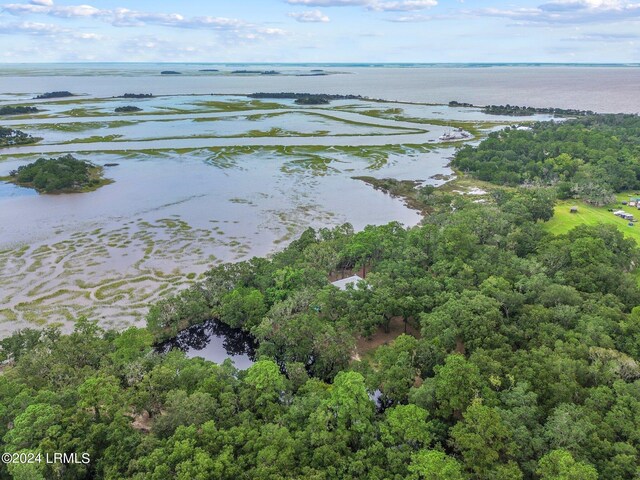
(589, 157)
(525, 365)
(17, 110)
(312, 100)
(137, 95)
(299, 96)
(9, 137)
(51, 175)
(128, 109)
(255, 72)
(57, 94)
(517, 111)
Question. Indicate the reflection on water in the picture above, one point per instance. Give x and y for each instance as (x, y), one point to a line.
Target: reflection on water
(11, 190)
(214, 341)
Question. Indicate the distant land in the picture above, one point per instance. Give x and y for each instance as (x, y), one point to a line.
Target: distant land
(338, 64)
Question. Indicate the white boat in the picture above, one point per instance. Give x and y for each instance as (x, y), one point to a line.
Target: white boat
(457, 134)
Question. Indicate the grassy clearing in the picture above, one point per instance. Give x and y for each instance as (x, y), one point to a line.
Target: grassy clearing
(94, 139)
(237, 106)
(366, 124)
(75, 127)
(475, 128)
(563, 220)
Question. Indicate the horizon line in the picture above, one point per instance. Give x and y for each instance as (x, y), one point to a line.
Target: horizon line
(353, 64)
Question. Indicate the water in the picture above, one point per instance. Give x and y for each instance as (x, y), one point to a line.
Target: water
(214, 341)
(602, 89)
(8, 190)
(109, 253)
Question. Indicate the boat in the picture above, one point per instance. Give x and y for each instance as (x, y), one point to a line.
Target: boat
(456, 134)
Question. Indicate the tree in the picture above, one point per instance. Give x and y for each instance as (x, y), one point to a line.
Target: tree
(465, 323)
(101, 394)
(485, 443)
(32, 426)
(456, 383)
(243, 307)
(435, 465)
(348, 411)
(268, 383)
(396, 370)
(407, 426)
(560, 465)
(569, 428)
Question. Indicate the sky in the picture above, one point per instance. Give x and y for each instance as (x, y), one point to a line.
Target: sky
(323, 31)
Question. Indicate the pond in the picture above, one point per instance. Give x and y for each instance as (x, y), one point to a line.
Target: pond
(214, 341)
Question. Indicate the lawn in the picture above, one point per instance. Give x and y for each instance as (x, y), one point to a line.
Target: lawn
(563, 220)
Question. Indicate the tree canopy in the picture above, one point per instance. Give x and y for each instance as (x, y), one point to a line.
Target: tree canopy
(51, 175)
(588, 157)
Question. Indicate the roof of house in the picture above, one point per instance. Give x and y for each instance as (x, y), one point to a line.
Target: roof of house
(342, 284)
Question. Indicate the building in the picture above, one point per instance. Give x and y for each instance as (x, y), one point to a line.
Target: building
(345, 282)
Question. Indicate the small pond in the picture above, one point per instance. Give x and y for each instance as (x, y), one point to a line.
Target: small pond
(214, 341)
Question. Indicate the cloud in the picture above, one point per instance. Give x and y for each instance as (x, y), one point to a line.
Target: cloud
(30, 28)
(416, 18)
(569, 12)
(46, 7)
(310, 16)
(403, 6)
(329, 3)
(147, 47)
(375, 5)
(605, 37)
(47, 30)
(124, 17)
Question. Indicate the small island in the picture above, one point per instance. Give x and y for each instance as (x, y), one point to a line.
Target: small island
(136, 95)
(312, 100)
(255, 72)
(60, 94)
(65, 174)
(517, 111)
(170, 72)
(17, 110)
(455, 103)
(128, 109)
(10, 137)
(305, 98)
(312, 74)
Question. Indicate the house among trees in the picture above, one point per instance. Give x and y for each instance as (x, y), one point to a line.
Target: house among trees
(345, 282)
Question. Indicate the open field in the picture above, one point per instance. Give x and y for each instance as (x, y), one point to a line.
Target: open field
(563, 220)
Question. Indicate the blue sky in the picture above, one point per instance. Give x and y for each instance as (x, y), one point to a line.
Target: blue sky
(599, 31)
